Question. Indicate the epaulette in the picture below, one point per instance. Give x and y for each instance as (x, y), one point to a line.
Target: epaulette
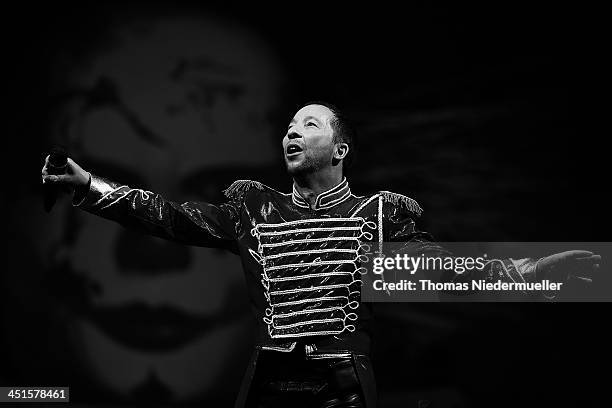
(403, 201)
(239, 188)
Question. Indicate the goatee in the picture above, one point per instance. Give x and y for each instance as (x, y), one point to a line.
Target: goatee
(305, 167)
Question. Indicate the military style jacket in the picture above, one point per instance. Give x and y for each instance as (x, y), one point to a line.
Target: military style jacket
(302, 264)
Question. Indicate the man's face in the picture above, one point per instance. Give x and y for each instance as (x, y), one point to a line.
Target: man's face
(308, 145)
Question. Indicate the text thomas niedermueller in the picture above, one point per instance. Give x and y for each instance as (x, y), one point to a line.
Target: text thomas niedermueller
(458, 264)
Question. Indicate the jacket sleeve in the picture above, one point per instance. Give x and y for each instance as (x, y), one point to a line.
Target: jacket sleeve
(401, 228)
(193, 223)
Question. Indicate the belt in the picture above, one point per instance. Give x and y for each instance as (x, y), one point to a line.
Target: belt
(296, 380)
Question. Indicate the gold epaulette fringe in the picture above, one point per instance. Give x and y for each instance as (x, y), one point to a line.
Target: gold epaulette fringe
(399, 199)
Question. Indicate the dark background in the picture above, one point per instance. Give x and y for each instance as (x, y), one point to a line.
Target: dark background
(483, 114)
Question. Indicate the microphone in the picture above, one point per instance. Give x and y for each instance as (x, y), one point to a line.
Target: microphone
(58, 160)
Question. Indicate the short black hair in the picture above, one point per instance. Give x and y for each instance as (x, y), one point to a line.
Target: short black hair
(344, 131)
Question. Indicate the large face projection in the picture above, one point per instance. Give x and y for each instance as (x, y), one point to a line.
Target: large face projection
(181, 106)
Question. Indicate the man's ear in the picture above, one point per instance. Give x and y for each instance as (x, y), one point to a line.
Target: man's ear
(341, 151)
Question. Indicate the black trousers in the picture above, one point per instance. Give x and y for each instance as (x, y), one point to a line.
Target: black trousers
(292, 380)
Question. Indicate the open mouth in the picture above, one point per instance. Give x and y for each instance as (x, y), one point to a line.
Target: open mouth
(293, 150)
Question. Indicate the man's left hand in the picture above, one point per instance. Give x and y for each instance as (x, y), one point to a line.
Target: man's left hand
(560, 267)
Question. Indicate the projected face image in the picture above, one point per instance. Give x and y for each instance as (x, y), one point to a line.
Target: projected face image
(181, 107)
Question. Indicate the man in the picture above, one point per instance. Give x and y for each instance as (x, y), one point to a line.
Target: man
(302, 254)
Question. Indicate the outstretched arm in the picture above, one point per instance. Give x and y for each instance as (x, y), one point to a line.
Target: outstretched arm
(557, 267)
(193, 223)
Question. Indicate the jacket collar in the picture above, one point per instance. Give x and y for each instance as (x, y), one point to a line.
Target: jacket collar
(326, 199)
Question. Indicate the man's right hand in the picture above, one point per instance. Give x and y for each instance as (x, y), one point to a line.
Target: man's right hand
(74, 177)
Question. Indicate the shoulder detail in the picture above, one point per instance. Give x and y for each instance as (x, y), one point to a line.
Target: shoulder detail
(402, 200)
(239, 188)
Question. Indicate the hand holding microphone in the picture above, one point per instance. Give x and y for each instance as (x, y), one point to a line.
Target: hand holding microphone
(61, 173)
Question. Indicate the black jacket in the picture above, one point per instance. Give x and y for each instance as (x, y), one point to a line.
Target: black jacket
(302, 264)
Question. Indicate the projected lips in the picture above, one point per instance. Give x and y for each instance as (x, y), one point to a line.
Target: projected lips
(138, 325)
(153, 328)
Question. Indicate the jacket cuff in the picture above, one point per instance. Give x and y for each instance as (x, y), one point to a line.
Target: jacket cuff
(96, 189)
(525, 268)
